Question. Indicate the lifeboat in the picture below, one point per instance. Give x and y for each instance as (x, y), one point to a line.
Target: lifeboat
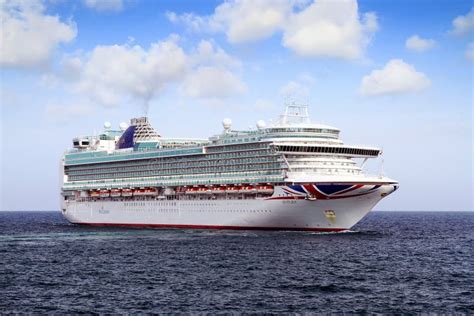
(264, 188)
(115, 193)
(202, 190)
(104, 193)
(127, 192)
(198, 190)
(248, 189)
(150, 191)
(232, 189)
(138, 192)
(218, 190)
(192, 190)
(94, 194)
(180, 190)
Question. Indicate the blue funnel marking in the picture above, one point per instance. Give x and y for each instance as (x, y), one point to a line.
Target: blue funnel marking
(126, 140)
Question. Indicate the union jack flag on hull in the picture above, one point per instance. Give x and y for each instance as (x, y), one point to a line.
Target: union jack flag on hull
(327, 191)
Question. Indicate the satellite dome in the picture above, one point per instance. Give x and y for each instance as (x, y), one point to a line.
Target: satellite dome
(123, 126)
(227, 123)
(107, 125)
(261, 124)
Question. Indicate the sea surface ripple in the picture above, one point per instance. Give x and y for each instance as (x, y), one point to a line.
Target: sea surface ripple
(391, 262)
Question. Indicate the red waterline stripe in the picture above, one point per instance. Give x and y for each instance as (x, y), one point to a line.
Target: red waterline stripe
(215, 227)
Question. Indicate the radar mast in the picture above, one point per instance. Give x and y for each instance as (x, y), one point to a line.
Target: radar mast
(295, 113)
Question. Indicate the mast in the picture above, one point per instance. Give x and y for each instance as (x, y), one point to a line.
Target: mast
(295, 113)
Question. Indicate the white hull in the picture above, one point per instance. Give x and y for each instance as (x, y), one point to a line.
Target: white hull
(281, 211)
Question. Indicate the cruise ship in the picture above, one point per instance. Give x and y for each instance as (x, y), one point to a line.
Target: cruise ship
(291, 174)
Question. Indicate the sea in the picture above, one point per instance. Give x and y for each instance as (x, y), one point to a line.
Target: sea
(390, 263)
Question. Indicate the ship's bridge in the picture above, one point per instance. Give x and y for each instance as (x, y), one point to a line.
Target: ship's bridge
(306, 130)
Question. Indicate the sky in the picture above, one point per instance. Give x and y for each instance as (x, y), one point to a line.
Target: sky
(392, 74)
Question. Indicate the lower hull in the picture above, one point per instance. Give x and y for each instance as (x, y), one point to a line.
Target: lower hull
(169, 226)
(262, 214)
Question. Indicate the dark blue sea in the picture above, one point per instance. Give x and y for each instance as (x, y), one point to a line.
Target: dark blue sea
(391, 263)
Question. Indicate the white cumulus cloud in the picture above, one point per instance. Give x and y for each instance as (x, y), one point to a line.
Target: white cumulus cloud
(396, 77)
(463, 24)
(207, 53)
(330, 29)
(241, 20)
(110, 74)
(104, 5)
(212, 74)
(250, 20)
(29, 36)
(323, 28)
(418, 44)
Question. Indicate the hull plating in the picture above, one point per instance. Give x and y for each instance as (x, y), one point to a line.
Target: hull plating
(287, 209)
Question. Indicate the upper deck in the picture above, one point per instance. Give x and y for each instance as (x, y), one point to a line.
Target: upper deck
(292, 133)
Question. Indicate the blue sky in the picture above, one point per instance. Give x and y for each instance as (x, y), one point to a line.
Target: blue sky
(395, 74)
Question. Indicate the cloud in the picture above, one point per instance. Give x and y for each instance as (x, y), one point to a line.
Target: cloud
(418, 44)
(212, 74)
(463, 24)
(241, 20)
(212, 82)
(192, 21)
(111, 74)
(207, 53)
(323, 28)
(29, 37)
(469, 53)
(250, 21)
(298, 90)
(330, 29)
(396, 77)
(105, 5)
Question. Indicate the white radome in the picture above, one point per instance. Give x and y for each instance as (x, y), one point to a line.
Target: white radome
(227, 123)
(261, 124)
(123, 126)
(107, 125)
